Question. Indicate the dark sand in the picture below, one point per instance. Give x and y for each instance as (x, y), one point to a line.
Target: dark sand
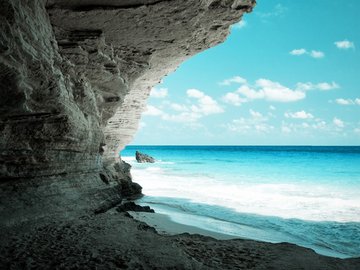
(165, 226)
(114, 240)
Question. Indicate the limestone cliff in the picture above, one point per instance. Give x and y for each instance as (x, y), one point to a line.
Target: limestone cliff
(75, 76)
(123, 48)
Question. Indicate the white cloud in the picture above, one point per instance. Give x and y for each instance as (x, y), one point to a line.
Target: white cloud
(305, 86)
(159, 93)
(327, 86)
(298, 51)
(194, 93)
(312, 53)
(319, 125)
(299, 115)
(264, 128)
(274, 91)
(255, 114)
(342, 101)
(316, 86)
(271, 107)
(263, 89)
(234, 99)
(240, 125)
(206, 104)
(317, 54)
(239, 25)
(257, 122)
(178, 107)
(344, 44)
(153, 111)
(250, 93)
(185, 117)
(339, 123)
(305, 125)
(235, 79)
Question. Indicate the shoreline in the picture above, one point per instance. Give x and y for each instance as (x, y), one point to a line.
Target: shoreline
(164, 225)
(114, 240)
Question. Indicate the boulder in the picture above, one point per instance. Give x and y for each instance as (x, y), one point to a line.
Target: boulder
(131, 206)
(143, 158)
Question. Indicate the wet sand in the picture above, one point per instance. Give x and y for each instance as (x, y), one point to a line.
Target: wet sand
(165, 226)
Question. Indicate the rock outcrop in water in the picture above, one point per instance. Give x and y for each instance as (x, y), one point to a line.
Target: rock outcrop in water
(143, 158)
(74, 79)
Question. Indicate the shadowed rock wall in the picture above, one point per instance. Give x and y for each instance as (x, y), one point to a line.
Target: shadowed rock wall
(74, 79)
(50, 121)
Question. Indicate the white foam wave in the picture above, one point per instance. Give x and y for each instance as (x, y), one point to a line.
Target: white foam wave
(154, 169)
(307, 202)
(164, 162)
(132, 159)
(128, 159)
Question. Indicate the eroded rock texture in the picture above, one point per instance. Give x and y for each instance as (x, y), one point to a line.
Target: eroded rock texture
(74, 78)
(126, 47)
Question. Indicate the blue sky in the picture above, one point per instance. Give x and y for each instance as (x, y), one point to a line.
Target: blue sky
(289, 74)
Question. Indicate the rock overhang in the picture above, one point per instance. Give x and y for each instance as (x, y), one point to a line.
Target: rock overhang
(77, 74)
(147, 40)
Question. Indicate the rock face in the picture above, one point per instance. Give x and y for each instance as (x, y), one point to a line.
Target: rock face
(74, 78)
(126, 47)
(143, 158)
(131, 206)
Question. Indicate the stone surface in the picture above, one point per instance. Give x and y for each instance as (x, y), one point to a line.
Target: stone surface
(134, 44)
(75, 75)
(131, 206)
(143, 158)
(74, 78)
(44, 131)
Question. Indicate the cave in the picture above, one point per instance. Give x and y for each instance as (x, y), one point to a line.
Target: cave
(75, 77)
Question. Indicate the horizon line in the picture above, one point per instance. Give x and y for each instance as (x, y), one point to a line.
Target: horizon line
(285, 145)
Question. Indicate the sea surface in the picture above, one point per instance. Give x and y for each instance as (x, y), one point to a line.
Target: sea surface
(306, 195)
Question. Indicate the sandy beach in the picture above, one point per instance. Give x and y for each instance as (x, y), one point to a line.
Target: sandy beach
(165, 226)
(115, 240)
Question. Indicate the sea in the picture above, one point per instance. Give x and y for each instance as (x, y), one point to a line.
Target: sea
(306, 195)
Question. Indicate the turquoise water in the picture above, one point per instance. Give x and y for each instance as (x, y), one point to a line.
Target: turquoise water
(309, 196)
